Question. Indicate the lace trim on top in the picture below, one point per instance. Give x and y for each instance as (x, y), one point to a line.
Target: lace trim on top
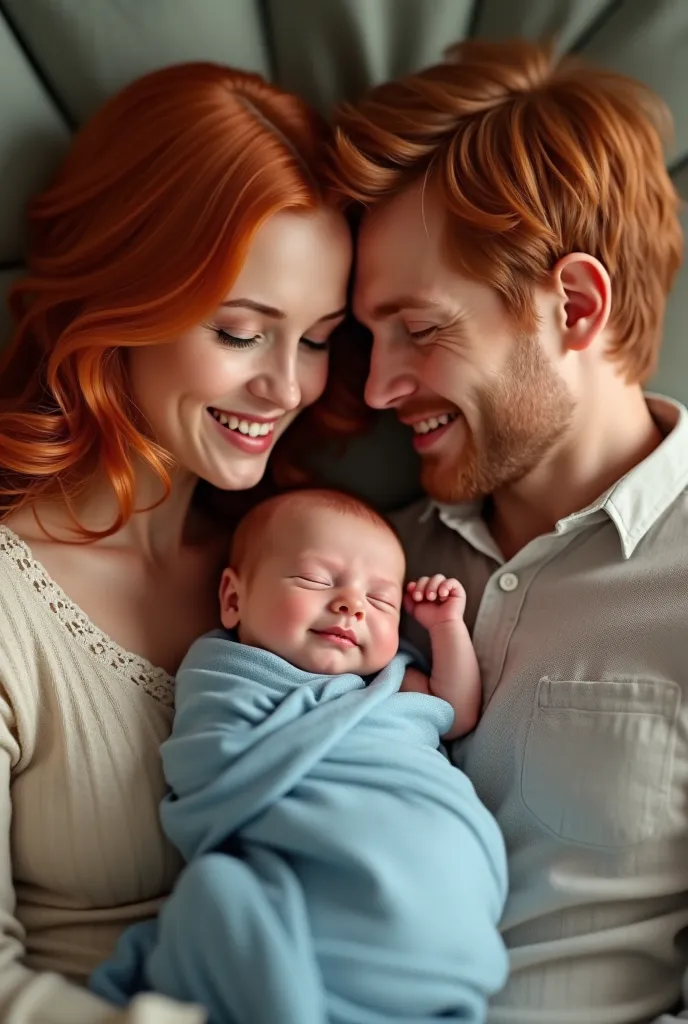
(156, 682)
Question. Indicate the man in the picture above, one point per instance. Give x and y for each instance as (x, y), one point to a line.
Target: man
(518, 239)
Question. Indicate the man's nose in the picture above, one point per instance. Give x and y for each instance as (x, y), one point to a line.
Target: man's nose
(390, 379)
(348, 603)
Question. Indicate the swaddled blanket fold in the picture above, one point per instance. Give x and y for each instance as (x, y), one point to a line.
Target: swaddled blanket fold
(340, 870)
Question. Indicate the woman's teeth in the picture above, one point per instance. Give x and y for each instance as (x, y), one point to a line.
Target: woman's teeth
(249, 427)
(425, 426)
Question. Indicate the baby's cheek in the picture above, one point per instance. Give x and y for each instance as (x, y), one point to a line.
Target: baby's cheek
(388, 639)
(296, 613)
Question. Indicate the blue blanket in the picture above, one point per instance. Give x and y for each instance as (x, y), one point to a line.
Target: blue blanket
(339, 869)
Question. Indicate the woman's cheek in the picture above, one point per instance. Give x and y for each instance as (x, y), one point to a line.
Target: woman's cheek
(314, 380)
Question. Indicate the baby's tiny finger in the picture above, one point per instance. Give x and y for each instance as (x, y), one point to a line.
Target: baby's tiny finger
(433, 587)
(452, 588)
(419, 592)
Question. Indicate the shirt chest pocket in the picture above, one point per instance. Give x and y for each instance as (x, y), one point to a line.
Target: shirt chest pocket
(598, 758)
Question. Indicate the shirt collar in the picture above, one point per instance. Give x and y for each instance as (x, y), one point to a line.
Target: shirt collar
(634, 503)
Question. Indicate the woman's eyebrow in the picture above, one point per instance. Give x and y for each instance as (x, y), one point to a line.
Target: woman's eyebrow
(273, 312)
(258, 307)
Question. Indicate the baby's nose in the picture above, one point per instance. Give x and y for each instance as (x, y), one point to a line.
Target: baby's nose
(348, 604)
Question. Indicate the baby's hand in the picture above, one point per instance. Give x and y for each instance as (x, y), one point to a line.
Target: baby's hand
(433, 600)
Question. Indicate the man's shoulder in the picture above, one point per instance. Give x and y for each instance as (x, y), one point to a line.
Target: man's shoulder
(679, 505)
(422, 525)
(668, 532)
(433, 545)
(409, 518)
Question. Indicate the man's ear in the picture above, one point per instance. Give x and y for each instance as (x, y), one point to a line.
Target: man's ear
(586, 292)
(230, 588)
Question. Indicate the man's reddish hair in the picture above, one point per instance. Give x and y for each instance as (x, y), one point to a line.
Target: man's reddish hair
(140, 235)
(533, 159)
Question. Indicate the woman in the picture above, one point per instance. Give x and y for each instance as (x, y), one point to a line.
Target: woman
(185, 276)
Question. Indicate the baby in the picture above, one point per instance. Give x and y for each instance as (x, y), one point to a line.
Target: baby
(339, 869)
(317, 577)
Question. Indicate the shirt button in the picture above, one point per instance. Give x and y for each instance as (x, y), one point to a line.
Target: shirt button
(508, 581)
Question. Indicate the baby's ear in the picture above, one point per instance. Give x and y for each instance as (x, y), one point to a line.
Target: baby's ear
(229, 599)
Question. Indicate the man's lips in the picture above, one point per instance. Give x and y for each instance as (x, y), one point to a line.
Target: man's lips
(428, 428)
(338, 635)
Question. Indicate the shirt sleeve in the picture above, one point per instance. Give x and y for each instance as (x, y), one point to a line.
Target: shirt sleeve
(29, 997)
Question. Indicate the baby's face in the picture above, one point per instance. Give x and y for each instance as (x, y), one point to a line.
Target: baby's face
(325, 593)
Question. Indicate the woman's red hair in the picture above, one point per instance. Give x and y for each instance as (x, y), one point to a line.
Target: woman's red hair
(138, 238)
(532, 159)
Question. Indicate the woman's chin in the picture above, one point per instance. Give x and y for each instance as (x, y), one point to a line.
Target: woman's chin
(237, 478)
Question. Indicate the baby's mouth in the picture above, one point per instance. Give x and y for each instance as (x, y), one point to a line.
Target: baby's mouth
(337, 635)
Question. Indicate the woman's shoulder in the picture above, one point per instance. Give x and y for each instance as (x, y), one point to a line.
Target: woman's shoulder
(50, 637)
(23, 623)
(23, 628)
(21, 576)
(36, 620)
(17, 568)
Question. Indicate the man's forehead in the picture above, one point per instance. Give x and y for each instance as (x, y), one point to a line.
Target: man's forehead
(400, 251)
(415, 211)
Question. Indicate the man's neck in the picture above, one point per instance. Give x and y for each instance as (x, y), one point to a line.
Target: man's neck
(597, 452)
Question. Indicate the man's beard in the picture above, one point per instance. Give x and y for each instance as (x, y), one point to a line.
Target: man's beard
(520, 416)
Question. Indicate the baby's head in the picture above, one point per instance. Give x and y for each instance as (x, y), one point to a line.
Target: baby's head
(316, 577)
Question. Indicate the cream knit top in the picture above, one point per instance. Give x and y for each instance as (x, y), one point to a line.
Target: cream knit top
(81, 851)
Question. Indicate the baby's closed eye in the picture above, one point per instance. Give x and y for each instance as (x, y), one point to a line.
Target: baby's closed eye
(387, 603)
(312, 581)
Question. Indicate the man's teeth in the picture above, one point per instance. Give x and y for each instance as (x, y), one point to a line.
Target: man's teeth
(249, 427)
(425, 426)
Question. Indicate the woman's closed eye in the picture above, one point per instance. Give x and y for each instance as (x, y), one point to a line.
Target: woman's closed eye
(249, 340)
(316, 346)
(237, 341)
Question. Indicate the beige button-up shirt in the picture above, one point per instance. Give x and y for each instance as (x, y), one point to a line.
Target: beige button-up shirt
(581, 752)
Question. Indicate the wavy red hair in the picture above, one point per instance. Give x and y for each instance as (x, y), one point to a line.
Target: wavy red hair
(140, 235)
(533, 159)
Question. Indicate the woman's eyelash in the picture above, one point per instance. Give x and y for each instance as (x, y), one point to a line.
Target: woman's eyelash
(234, 342)
(230, 339)
(316, 346)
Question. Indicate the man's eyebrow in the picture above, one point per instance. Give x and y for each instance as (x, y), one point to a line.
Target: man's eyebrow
(333, 316)
(392, 306)
(273, 312)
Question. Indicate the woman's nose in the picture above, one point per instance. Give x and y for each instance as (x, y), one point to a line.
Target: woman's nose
(278, 383)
